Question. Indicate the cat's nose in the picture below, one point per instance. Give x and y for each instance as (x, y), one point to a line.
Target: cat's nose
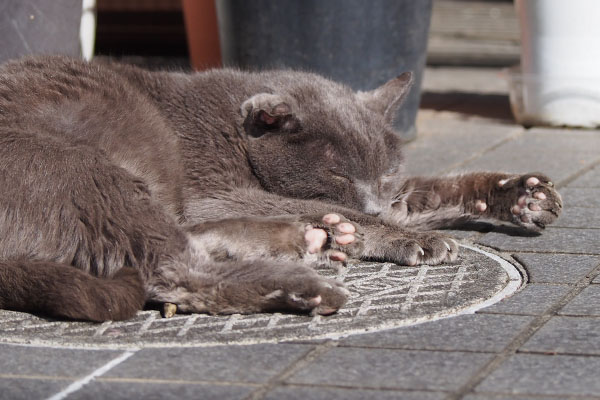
(373, 210)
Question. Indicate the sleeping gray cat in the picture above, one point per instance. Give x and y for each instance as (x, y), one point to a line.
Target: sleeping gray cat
(215, 191)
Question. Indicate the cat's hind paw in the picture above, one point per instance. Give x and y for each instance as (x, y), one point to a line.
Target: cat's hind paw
(534, 203)
(307, 293)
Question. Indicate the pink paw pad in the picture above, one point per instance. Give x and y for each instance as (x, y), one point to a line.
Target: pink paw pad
(480, 205)
(337, 256)
(315, 238)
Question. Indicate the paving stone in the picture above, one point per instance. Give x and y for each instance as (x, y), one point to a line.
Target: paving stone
(580, 197)
(232, 363)
(497, 396)
(557, 268)
(392, 369)
(558, 153)
(27, 389)
(533, 374)
(445, 141)
(586, 303)
(39, 361)
(474, 332)
(326, 393)
(533, 299)
(552, 240)
(574, 335)
(101, 389)
(589, 179)
(578, 217)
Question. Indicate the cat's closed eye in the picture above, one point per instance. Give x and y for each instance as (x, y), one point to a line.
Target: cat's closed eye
(340, 176)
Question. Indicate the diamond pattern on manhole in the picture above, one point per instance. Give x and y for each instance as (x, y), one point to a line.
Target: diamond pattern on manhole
(383, 296)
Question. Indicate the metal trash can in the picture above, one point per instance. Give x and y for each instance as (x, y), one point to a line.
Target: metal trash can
(361, 43)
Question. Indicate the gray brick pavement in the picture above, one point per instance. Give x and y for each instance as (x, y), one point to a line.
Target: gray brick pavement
(482, 333)
(558, 375)
(391, 369)
(557, 268)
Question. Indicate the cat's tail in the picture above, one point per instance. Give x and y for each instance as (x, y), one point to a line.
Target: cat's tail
(62, 291)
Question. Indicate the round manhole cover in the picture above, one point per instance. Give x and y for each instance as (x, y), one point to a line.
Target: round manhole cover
(383, 296)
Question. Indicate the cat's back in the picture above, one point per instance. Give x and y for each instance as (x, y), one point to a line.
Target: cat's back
(35, 80)
(71, 103)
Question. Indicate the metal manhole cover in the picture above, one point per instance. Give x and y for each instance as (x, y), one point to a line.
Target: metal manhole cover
(383, 296)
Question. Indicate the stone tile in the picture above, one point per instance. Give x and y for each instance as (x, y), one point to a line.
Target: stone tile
(102, 389)
(589, 179)
(533, 299)
(392, 369)
(39, 361)
(497, 396)
(466, 234)
(558, 153)
(580, 197)
(474, 332)
(585, 303)
(326, 393)
(574, 335)
(533, 374)
(27, 389)
(444, 141)
(256, 363)
(578, 217)
(557, 268)
(552, 240)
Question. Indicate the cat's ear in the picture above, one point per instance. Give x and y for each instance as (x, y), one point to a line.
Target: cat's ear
(266, 112)
(387, 99)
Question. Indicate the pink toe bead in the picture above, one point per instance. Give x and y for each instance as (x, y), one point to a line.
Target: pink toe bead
(532, 181)
(331, 218)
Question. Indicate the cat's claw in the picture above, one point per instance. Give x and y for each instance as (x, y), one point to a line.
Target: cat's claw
(169, 310)
(535, 201)
(417, 248)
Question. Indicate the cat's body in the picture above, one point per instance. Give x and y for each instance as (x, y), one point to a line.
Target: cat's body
(217, 187)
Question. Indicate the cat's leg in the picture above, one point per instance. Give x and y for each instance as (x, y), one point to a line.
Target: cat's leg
(248, 287)
(321, 239)
(380, 240)
(528, 200)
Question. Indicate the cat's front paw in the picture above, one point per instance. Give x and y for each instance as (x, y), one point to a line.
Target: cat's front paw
(332, 237)
(404, 247)
(529, 201)
(430, 248)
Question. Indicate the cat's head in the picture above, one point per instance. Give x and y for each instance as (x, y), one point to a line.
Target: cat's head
(311, 138)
